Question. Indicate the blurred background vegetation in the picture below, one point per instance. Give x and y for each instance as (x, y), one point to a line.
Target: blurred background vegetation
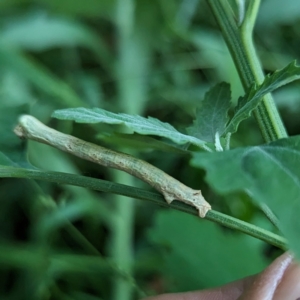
(154, 58)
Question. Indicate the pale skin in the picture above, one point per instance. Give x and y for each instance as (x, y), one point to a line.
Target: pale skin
(172, 189)
(280, 281)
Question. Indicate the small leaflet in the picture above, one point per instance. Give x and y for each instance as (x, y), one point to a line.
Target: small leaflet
(212, 113)
(252, 98)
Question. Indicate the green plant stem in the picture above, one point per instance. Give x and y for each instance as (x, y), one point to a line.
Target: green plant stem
(121, 239)
(240, 43)
(132, 192)
(270, 215)
(130, 97)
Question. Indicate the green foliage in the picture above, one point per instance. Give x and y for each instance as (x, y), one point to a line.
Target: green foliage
(182, 245)
(212, 113)
(251, 100)
(40, 77)
(49, 32)
(141, 142)
(13, 150)
(267, 173)
(147, 126)
(60, 223)
(5, 161)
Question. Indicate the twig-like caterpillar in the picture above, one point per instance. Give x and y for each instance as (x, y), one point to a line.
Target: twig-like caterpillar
(30, 128)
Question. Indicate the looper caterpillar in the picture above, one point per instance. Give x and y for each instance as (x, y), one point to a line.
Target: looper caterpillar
(30, 128)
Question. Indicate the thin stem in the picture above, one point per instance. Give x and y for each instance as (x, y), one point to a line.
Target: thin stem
(266, 114)
(270, 215)
(132, 99)
(227, 141)
(114, 188)
(240, 43)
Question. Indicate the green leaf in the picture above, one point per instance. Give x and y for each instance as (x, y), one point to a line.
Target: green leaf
(5, 161)
(39, 76)
(253, 97)
(141, 125)
(13, 103)
(269, 173)
(201, 250)
(37, 32)
(212, 113)
(136, 141)
(12, 148)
